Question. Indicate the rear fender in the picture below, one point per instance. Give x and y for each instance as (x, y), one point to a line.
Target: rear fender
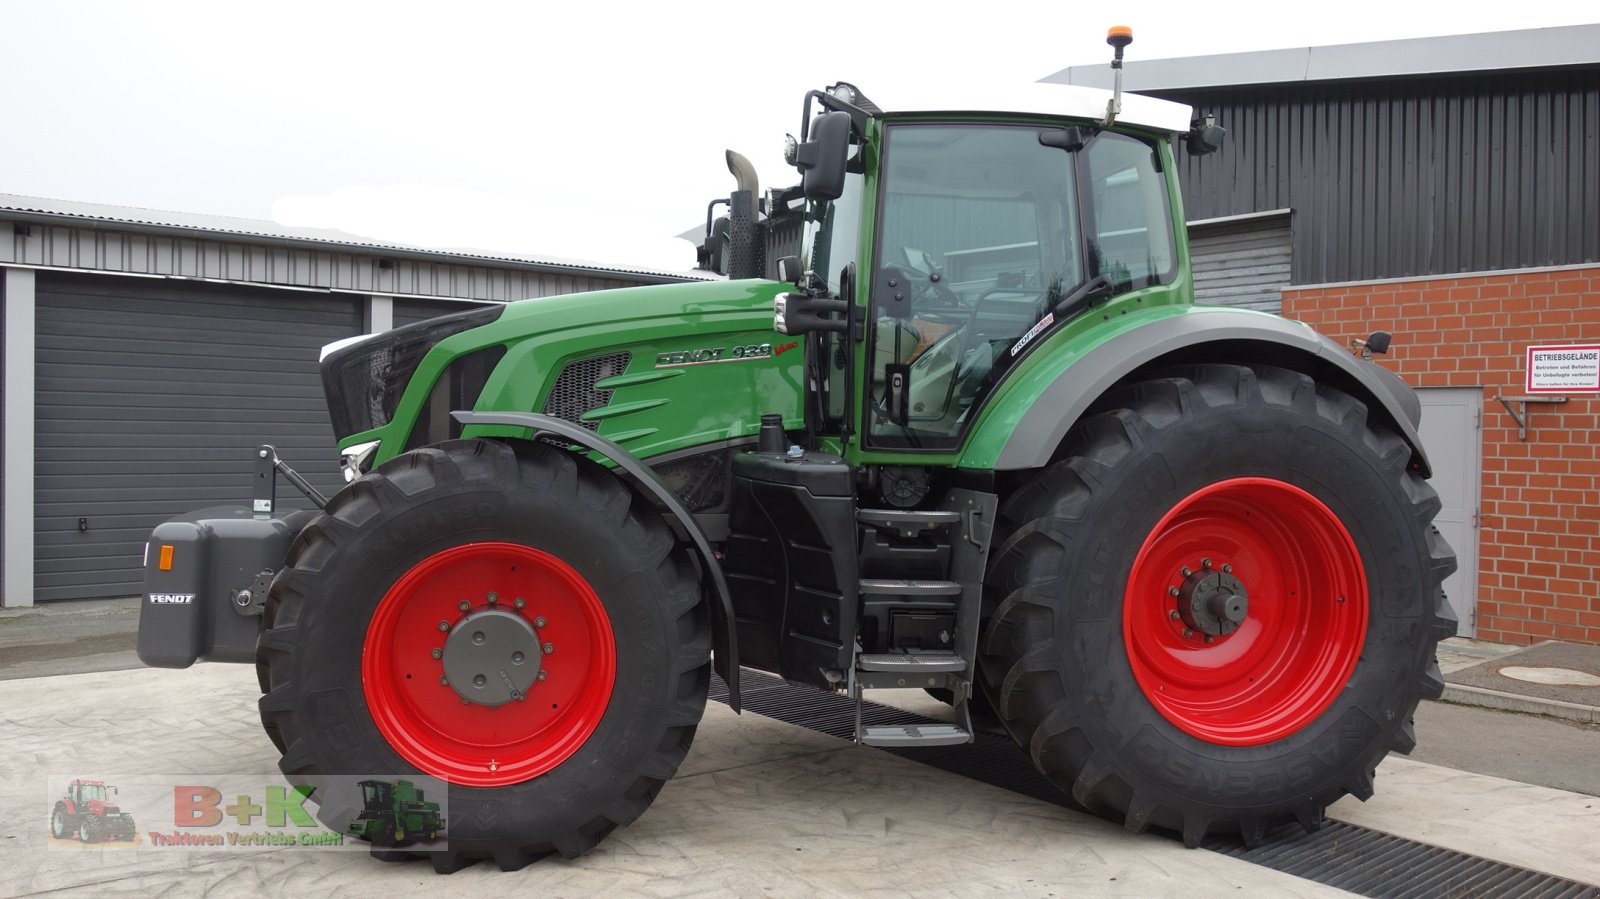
(724, 635)
(1044, 414)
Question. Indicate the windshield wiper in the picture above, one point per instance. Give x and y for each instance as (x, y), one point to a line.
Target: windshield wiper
(1084, 295)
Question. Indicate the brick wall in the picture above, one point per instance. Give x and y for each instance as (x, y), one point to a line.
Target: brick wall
(1539, 540)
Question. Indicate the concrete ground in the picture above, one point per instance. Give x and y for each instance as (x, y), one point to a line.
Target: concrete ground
(759, 808)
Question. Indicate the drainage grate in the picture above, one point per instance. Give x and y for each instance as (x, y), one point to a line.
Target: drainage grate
(1345, 856)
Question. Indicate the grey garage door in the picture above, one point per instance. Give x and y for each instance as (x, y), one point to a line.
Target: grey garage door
(1241, 262)
(1452, 433)
(151, 396)
(407, 312)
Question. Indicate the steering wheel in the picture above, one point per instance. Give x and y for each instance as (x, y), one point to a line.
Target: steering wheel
(936, 302)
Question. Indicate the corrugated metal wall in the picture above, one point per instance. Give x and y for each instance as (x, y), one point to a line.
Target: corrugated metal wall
(1411, 177)
(409, 312)
(64, 246)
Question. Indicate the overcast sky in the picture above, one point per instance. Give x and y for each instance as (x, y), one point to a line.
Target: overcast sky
(543, 129)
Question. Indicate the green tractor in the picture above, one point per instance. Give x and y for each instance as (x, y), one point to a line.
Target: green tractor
(394, 813)
(976, 439)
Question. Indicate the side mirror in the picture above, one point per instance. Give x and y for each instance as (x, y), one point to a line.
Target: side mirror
(1205, 136)
(821, 160)
(716, 247)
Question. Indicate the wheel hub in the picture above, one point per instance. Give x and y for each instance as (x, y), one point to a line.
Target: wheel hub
(492, 657)
(1212, 602)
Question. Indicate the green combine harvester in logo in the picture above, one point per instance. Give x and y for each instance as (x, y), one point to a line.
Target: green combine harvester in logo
(394, 813)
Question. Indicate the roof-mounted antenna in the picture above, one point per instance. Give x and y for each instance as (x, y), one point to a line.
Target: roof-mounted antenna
(1119, 36)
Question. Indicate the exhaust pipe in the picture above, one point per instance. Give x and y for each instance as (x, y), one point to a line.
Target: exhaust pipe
(746, 248)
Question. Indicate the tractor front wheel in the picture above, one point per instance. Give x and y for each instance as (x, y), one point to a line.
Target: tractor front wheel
(509, 619)
(1219, 611)
(60, 822)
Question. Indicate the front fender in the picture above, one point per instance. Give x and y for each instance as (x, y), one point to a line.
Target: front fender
(1029, 420)
(724, 635)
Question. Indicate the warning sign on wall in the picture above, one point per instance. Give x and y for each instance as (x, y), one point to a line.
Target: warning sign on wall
(1564, 369)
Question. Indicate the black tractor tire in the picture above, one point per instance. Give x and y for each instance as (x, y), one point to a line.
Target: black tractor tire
(85, 833)
(437, 503)
(61, 824)
(1077, 593)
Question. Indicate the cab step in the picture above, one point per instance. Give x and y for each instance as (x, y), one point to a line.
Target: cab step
(915, 663)
(906, 735)
(909, 522)
(904, 587)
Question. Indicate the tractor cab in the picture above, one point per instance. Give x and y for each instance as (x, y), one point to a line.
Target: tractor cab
(83, 792)
(375, 794)
(986, 234)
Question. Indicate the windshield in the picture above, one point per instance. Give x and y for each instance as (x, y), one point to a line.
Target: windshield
(984, 230)
(92, 793)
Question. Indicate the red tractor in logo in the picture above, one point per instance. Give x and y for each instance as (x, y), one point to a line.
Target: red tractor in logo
(89, 813)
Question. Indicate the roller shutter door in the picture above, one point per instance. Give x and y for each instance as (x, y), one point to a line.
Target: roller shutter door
(151, 396)
(1241, 263)
(408, 312)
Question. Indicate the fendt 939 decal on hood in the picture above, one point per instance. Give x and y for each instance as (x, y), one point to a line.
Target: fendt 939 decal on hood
(743, 353)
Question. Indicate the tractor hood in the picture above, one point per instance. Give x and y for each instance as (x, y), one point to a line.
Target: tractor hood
(655, 369)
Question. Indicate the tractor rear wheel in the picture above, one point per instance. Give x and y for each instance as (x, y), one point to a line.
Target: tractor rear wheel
(1219, 611)
(511, 619)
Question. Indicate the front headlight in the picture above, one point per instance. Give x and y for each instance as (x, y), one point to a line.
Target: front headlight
(780, 308)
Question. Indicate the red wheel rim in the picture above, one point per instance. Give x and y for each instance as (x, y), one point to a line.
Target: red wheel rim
(426, 721)
(1307, 612)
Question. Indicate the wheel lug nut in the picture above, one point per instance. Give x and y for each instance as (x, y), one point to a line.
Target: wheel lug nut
(1206, 564)
(543, 674)
(519, 602)
(1227, 569)
(463, 605)
(1188, 633)
(1174, 615)
(518, 696)
(1172, 591)
(494, 597)
(549, 648)
(444, 625)
(437, 653)
(444, 681)
(539, 622)
(1187, 571)
(1210, 639)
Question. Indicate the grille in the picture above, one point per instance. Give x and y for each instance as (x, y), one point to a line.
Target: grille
(574, 392)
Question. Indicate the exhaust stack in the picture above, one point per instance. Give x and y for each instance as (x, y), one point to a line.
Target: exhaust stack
(745, 247)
